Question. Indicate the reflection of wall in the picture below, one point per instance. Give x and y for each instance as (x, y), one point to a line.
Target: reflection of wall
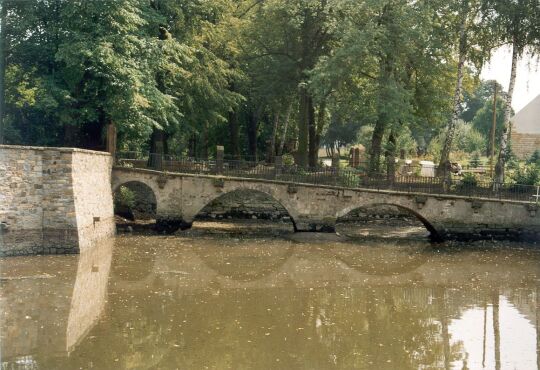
(34, 303)
(49, 196)
(88, 299)
(49, 304)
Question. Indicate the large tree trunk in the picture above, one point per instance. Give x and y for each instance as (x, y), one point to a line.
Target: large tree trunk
(376, 145)
(3, 53)
(155, 159)
(451, 128)
(192, 146)
(313, 149)
(272, 145)
(252, 129)
(234, 134)
(204, 144)
(501, 160)
(320, 123)
(391, 158)
(285, 128)
(70, 135)
(303, 127)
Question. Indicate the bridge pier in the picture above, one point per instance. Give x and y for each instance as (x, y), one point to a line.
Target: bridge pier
(169, 225)
(312, 225)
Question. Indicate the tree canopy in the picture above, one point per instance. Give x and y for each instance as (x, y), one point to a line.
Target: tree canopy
(259, 77)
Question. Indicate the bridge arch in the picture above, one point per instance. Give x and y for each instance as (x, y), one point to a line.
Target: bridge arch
(243, 190)
(135, 199)
(434, 234)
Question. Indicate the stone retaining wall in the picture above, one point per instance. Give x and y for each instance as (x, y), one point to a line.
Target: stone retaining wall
(53, 200)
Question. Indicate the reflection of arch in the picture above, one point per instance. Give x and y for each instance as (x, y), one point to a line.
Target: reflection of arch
(145, 202)
(235, 263)
(433, 232)
(247, 191)
(394, 260)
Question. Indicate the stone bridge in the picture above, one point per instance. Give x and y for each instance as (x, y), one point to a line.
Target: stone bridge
(180, 197)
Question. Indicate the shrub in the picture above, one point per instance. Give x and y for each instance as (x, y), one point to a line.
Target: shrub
(471, 140)
(288, 159)
(535, 158)
(469, 180)
(527, 175)
(124, 198)
(475, 160)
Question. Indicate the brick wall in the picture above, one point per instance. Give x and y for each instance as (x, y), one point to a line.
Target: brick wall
(523, 145)
(53, 200)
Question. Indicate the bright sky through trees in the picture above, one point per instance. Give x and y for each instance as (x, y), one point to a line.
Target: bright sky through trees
(528, 76)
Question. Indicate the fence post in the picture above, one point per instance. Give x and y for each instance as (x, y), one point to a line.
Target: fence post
(220, 154)
(278, 165)
(335, 166)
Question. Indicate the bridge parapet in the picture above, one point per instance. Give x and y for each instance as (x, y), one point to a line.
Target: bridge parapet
(334, 176)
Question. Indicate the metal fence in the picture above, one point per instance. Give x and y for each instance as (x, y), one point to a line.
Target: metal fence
(348, 178)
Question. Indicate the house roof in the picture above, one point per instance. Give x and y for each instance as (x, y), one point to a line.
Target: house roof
(527, 120)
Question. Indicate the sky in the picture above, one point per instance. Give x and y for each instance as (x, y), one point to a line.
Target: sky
(527, 81)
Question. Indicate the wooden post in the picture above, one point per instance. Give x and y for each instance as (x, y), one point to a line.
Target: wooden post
(220, 155)
(110, 144)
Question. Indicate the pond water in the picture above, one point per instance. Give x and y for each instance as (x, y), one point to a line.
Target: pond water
(230, 299)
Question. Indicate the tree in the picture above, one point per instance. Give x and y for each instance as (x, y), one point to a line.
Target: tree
(3, 46)
(517, 23)
(470, 34)
(483, 121)
(477, 99)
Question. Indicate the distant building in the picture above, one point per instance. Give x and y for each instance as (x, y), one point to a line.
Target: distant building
(526, 130)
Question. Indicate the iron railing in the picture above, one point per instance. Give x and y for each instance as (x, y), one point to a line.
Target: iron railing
(348, 178)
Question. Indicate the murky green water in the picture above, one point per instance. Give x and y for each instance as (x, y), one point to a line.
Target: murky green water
(227, 301)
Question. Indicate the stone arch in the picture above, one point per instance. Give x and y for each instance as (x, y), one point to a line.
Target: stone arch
(145, 198)
(241, 189)
(434, 234)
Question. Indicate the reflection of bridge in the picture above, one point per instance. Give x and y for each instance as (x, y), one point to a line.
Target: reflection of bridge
(315, 200)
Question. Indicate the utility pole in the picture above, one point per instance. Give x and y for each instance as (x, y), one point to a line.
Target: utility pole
(493, 128)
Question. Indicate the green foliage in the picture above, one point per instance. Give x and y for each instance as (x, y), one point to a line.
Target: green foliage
(469, 180)
(482, 98)
(435, 147)
(248, 74)
(468, 139)
(406, 142)
(475, 160)
(288, 160)
(527, 175)
(483, 121)
(124, 198)
(534, 158)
